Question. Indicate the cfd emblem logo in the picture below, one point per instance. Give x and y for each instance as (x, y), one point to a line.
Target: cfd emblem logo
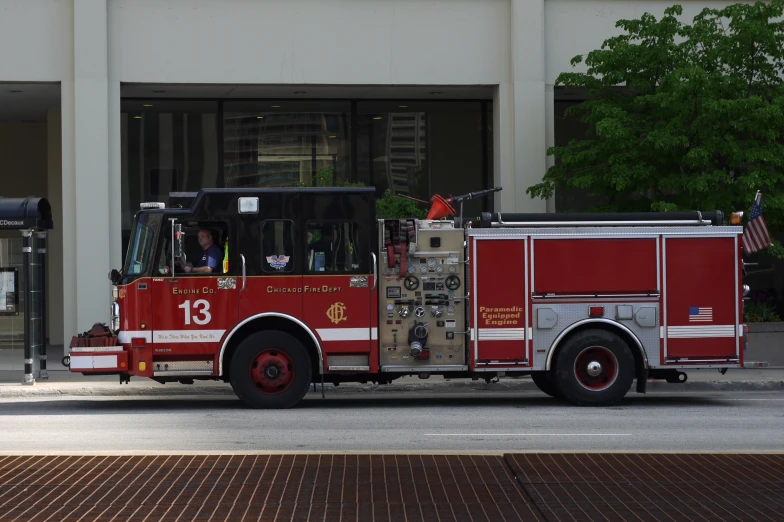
(337, 313)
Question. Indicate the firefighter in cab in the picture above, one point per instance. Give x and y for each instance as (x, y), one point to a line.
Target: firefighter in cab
(211, 256)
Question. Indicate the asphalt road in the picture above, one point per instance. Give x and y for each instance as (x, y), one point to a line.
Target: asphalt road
(443, 423)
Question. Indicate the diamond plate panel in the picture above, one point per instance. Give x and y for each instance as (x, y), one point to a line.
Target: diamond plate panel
(181, 366)
(570, 314)
(348, 360)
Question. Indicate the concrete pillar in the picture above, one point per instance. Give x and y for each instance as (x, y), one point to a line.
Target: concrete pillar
(54, 239)
(86, 217)
(550, 136)
(115, 172)
(527, 106)
(504, 148)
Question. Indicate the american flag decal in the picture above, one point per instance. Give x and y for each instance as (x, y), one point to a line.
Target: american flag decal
(699, 314)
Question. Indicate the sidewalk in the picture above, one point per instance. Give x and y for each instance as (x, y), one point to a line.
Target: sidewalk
(64, 383)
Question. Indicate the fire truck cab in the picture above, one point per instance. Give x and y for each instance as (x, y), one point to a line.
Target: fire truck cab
(309, 287)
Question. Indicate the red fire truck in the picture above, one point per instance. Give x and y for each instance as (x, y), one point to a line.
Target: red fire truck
(312, 288)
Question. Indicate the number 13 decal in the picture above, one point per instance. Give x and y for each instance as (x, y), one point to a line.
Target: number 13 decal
(202, 305)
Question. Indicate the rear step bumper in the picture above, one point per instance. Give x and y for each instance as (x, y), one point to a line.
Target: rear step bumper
(98, 362)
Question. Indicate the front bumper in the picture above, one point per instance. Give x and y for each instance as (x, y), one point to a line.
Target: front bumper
(96, 351)
(98, 362)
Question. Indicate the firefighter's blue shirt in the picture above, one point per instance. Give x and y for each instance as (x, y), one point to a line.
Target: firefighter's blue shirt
(211, 258)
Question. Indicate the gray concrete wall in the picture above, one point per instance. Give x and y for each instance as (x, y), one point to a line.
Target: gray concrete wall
(766, 343)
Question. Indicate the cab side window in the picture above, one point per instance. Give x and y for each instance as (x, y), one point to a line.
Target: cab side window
(277, 246)
(206, 245)
(332, 247)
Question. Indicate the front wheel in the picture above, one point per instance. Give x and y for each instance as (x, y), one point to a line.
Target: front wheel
(594, 368)
(270, 370)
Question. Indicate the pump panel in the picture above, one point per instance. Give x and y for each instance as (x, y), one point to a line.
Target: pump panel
(422, 292)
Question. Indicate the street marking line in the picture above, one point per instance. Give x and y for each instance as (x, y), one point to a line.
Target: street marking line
(527, 434)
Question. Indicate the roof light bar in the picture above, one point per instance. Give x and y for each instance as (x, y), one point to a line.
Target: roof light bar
(152, 204)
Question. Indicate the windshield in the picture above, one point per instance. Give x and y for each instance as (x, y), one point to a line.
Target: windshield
(139, 248)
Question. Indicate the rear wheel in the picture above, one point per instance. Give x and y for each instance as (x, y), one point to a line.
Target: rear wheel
(270, 369)
(594, 368)
(544, 381)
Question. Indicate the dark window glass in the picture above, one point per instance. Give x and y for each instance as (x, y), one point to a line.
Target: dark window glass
(333, 247)
(277, 246)
(167, 146)
(287, 143)
(423, 148)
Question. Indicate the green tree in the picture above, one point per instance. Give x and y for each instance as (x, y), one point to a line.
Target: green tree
(682, 116)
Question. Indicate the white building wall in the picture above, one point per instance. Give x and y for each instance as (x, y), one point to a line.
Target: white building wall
(93, 46)
(311, 41)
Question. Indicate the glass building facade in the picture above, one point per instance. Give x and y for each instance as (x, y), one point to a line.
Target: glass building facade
(414, 148)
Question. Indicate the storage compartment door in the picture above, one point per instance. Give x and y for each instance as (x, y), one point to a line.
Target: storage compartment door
(500, 302)
(700, 297)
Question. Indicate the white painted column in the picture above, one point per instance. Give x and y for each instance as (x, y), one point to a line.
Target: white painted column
(550, 137)
(115, 172)
(54, 238)
(90, 241)
(530, 122)
(68, 186)
(504, 148)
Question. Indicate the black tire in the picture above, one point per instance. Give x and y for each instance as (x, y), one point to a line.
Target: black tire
(544, 381)
(616, 371)
(257, 383)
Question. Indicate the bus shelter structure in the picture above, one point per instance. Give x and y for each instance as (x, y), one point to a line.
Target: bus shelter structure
(32, 217)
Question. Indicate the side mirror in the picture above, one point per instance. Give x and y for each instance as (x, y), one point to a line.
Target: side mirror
(114, 276)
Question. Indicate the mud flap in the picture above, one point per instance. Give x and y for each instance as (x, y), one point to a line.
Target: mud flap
(642, 380)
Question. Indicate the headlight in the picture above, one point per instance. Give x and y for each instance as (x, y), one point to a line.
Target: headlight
(746, 290)
(115, 326)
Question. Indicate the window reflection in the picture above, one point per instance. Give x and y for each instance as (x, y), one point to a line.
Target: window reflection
(287, 143)
(167, 146)
(414, 148)
(421, 148)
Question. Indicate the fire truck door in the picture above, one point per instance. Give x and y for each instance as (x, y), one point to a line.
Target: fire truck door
(337, 287)
(193, 310)
(700, 298)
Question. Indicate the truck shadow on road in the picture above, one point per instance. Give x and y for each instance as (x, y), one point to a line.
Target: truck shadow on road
(313, 402)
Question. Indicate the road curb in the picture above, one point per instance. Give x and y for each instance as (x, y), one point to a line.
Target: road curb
(116, 390)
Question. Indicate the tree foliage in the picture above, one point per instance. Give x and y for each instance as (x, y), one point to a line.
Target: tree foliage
(682, 116)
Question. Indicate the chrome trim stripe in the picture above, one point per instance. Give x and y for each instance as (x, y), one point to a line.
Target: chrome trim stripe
(551, 350)
(96, 349)
(425, 369)
(735, 254)
(349, 368)
(272, 314)
(698, 332)
(533, 265)
(658, 266)
(475, 302)
(527, 297)
(124, 337)
(664, 291)
(181, 373)
(606, 230)
(347, 334)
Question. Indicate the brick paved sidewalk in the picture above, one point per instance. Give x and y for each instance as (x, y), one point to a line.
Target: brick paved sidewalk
(521, 487)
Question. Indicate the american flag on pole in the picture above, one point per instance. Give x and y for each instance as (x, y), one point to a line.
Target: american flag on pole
(755, 236)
